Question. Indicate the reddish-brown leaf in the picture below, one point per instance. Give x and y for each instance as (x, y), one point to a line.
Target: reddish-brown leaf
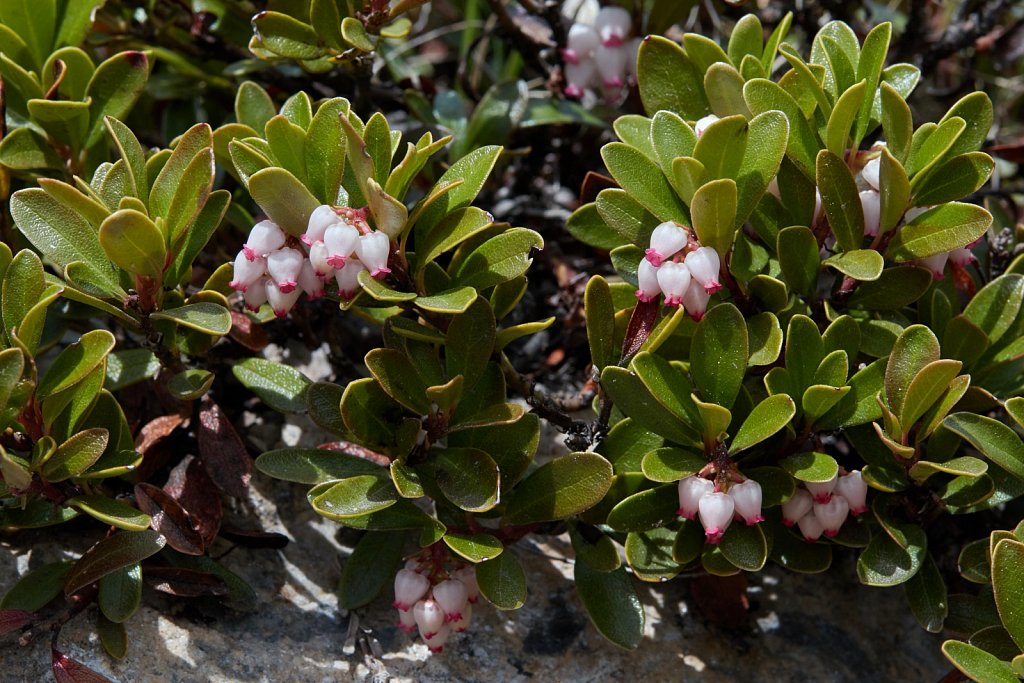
(641, 323)
(593, 183)
(248, 333)
(13, 619)
(170, 519)
(185, 583)
(254, 539)
(1012, 151)
(222, 451)
(67, 670)
(191, 486)
(157, 429)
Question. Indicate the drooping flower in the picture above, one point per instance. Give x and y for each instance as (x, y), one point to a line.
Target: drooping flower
(811, 527)
(462, 623)
(340, 240)
(310, 282)
(647, 278)
(691, 490)
(695, 301)
(822, 490)
(322, 218)
(832, 514)
(429, 617)
(935, 263)
(246, 272)
(704, 265)
(870, 203)
(798, 505)
(580, 44)
(373, 251)
(284, 266)
(436, 640)
(716, 510)
(264, 238)
(281, 302)
(666, 241)
(467, 575)
(747, 498)
(611, 65)
(406, 621)
(870, 173)
(348, 278)
(256, 294)
(452, 597)
(702, 124)
(673, 278)
(613, 25)
(318, 258)
(854, 489)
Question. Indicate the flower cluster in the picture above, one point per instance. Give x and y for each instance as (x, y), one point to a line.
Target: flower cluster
(822, 507)
(274, 268)
(601, 53)
(700, 497)
(678, 267)
(432, 605)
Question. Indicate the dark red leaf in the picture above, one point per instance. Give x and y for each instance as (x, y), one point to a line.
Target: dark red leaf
(1013, 151)
(120, 550)
(722, 599)
(185, 583)
(222, 451)
(67, 670)
(641, 323)
(248, 333)
(254, 539)
(155, 430)
(13, 619)
(170, 519)
(593, 183)
(191, 486)
(356, 451)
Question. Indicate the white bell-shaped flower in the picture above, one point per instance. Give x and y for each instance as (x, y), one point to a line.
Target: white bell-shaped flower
(673, 278)
(613, 25)
(467, 575)
(702, 124)
(811, 527)
(409, 588)
(961, 256)
(691, 490)
(695, 301)
(935, 263)
(348, 278)
(284, 266)
(436, 640)
(322, 218)
(716, 511)
(817, 206)
(281, 302)
(666, 241)
(854, 489)
(832, 514)
(611, 65)
(310, 282)
(462, 623)
(747, 497)
(647, 278)
(264, 238)
(704, 265)
(406, 621)
(373, 251)
(318, 258)
(429, 617)
(632, 52)
(870, 173)
(452, 596)
(247, 272)
(871, 205)
(580, 44)
(256, 294)
(822, 490)
(798, 505)
(341, 240)
(579, 77)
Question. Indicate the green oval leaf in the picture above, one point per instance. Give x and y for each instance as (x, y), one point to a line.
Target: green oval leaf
(110, 554)
(281, 387)
(353, 497)
(502, 581)
(811, 467)
(110, 511)
(767, 418)
(561, 488)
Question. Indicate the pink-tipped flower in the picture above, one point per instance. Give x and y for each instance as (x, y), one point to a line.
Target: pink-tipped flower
(961, 256)
(256, 295)
(798, 505)
(264, 238)
(611, 65)
(318, 256)
(467, 575)
(747, 497)
(322, 218)
(452, 596)
(247, 272)
(935, 263)
(373, 251)
(341, 240)
(666, 241)
(310, 282)
(579, 77)
(613, 25)
(702, 124)
(704, 265)
(673, 278)
(281, 302)
(716, 510)
(822, 490)
(695, 301)
(284, 266)
(871, 206)
(832, 514)
(647, 278)
(811, 527)
(691, 490)
(854, 489)
(406, 621)
(462, 623)
(580, 44)
(870, 173)
(348, 278)
(436, 641)
(429, 617)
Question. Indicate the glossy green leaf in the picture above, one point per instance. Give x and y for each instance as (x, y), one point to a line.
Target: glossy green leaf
(600, 317)
(645, 510)
(1008, 586)
(134, 243)
(642, 178)
(468, 477)
(745, 546)
(843, 118)
(713, 208)
(864, 265)
(763, 95)
(313, 465)
(286, 36)
(840, 200)
(885, 563)
(284, 199)
(993, 439)
(954, 179)
(915, 348)
(561, 488)
(799, 258)
(370, 568)
(111, 511)
(120, 550)
(939, 229)
(37, 588)
(994, 308)
(113, 89)
(190, 384)
(670, 80)
(206, 317)
(612, 604)
(121, 593)
(279, 386)
(649, 554)
(978, 664)
(352, 497)
(810, 467)
(502, 581)
(474, 548)
(764, 421)
(472, 170)
(499, 259)
(75, 362)
(719, 354)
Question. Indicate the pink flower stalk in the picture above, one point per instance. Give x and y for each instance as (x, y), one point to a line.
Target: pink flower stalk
(746, 496)
(695, 301)
(647, 278)
(691, 490)
(613, 25)
(666, 241)
(264, 238)
(322, 218)
(284, 266)
(467, 575)
(673, 278)
(704, 265)
(280, 301)
(373, 251)
(811, 527)
(348, 278)
(854, 489)
(452, 597)
(822, 490)
(716, 510)
(246, 272)
(798, 505)
(832, 514)
(429, 617)
(341, 240)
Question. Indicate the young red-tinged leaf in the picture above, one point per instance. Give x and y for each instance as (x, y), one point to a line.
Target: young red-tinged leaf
(190, 485)
(67, 670)
(186, 583)
(120, 550)
(223, 454)
(170, 519)
(13, 619)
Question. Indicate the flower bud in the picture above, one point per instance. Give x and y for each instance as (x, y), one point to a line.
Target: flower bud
(264, 238)
(747, 498)
(613, 25)
(853, 488)
(256, 295)
(716, 510)
(695, 301)
(832, 514)
(322, 218)
(310, 282)
(284, 266)
(871, 206)
(429, 617)
(673, 278)
(703, 123)
(341, 240)
(870, 173)
(798, 505)
(348, 278)
(452, 597)
(318, 256)
(280, 301)
(406, 621)
(462, 623)
(467, 575)
(666, 240)
(409, 588)
(811, 527)
(704, 265)
(373, 250)
(822, 491)
(935, 263)
(647, 278)
(580, 44)
(436, 640)
(611, 65)
(247, 272)
(691, 490)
